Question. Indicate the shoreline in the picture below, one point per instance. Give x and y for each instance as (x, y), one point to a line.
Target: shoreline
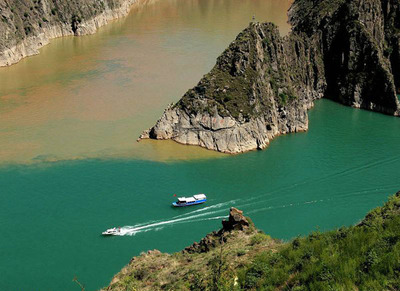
(30, 46)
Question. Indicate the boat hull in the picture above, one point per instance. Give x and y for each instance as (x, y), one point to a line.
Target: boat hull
(189, 203)
(111, 231)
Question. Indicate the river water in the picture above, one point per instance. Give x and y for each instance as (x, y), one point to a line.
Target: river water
(70, 166)
(92, 96)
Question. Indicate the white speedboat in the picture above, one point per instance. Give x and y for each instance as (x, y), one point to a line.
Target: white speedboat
(112, 231)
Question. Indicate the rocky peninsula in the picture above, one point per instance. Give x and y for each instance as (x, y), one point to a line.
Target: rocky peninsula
(263, 83)
(240, 257)
(28, 25)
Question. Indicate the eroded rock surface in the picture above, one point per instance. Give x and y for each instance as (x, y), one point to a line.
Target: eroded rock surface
(26, 26)
(263, 84)
(236, 221)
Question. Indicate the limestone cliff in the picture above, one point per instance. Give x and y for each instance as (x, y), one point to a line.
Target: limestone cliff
(28, 25)
(263, 84)
(360, 45)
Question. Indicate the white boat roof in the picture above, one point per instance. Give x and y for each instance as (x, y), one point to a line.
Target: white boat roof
(199, 196)
(192, 199)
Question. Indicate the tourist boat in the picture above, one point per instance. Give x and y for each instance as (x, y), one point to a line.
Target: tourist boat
(112, 231)
(188, 201)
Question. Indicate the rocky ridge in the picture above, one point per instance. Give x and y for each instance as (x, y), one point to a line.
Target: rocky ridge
(263, 84)
(27, 25)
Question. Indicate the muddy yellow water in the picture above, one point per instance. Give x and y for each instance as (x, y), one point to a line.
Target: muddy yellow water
(92, 96)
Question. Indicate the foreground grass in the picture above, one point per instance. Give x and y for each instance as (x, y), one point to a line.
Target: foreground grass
(361, 257)
(193, 271)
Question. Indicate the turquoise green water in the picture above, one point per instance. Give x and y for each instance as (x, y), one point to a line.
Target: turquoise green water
(51, 215)
(90, 97)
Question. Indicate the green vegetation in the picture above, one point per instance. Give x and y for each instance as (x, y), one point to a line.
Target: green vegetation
(309, 14)
(284, 98)
(209, 270)
(361, 257)
(239, 88)
(227, 88)
(259, 238)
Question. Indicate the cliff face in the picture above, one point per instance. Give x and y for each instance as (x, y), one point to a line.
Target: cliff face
(359, 41)
(28, 25)
(263, 84)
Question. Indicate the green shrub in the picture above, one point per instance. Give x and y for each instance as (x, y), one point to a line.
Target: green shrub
(296, 243)
(257, 269)
(283, 98)
(259, 238)
(140, 274)
(197, 282)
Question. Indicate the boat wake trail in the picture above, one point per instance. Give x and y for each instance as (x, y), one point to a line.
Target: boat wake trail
(158, 225)
(286, 190)
(205, 209)
(286, 205)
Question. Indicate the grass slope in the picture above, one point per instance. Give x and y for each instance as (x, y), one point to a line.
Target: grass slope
(361, 257)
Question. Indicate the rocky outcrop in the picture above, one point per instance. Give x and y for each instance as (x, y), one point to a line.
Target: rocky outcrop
(236, 221)
(220, 252)
(26, 26)
(261, 87)
(263, 84)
